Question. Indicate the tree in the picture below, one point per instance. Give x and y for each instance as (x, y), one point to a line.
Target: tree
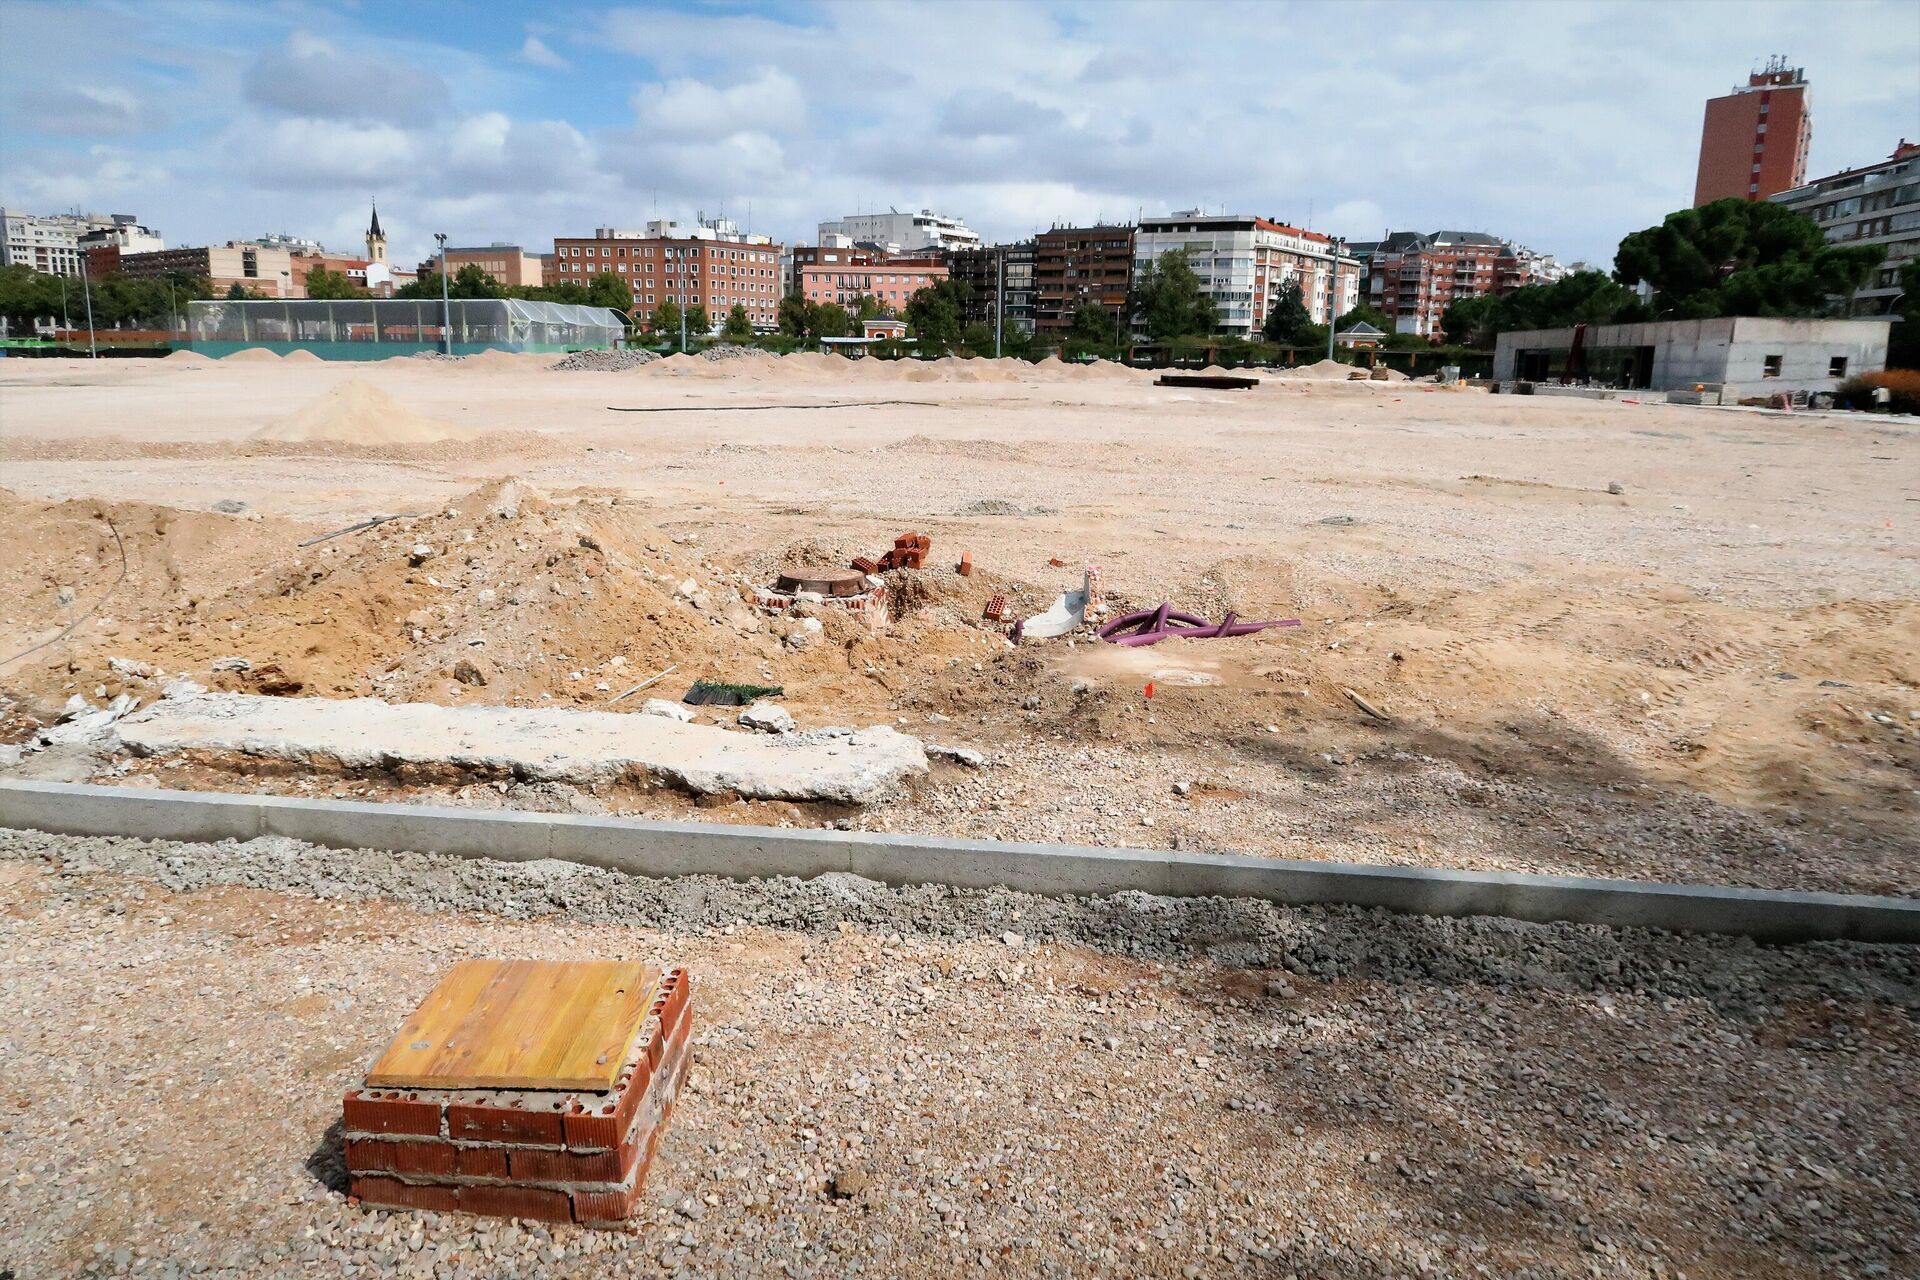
(738, 327)
(1364, 313)
(867, 307)
(698, 321)
(977, 338)
(609, 290)
(830, 320)
(1741, 257)
(1288, 316)
(1585, 297)
(937, 313)
(236, 292)
(1169, 301)
(794, 316)
(326, 286)
(665, 319)
(1903, 341)
(27, 296)
(1092, 325)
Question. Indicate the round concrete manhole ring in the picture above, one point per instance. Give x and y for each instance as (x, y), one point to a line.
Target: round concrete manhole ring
(821, 579)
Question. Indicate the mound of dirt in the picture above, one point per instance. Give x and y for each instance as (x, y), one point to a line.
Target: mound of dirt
(300, 357)
(253, 355)
(185, 356)
(359, 413)
(1322, 371)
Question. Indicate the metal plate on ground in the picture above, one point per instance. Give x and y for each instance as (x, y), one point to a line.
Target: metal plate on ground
(521, 1024)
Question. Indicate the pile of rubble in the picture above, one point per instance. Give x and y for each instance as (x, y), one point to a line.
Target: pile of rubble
(730, 351)
(605, 361)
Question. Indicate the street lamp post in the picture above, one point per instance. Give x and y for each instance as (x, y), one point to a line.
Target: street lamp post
(93, 345)
(446, 305)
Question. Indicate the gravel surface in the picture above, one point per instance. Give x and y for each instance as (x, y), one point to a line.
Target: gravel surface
(913, 1082)
(604, 361)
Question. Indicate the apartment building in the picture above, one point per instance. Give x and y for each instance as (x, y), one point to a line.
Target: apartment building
(50, 244)
(1244, 261)
(843, 276)
(896, 232)
(1876, 204)
(264, 272)
(711, 264)
(508, 263)
(1415, 276)
(1077, 266)
(1754, 139)
(999, 280)
(101, 248)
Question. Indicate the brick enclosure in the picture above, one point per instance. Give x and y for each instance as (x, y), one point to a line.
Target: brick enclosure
(556, 1155)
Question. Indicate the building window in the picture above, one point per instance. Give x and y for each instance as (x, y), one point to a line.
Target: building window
(1837, 367)
(1770, 367)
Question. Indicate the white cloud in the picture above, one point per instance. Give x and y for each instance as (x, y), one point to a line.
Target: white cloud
(298, 154)
(492, 151)
(540, 54)
(306, 75)
(87, 110)
(768, 103)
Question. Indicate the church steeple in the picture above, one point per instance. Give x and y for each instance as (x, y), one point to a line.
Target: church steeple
(376, 239)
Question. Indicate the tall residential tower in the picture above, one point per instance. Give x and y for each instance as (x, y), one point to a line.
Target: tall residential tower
(1753, 143)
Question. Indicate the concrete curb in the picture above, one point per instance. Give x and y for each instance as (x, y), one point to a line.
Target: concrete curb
(687, 848)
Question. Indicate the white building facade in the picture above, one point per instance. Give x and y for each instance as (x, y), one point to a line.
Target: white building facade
(1244, 261)
(50, 244)
(895, 232)
(1875, 205)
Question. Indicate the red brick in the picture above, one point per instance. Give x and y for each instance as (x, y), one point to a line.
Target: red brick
(405, 1195)
(374, 1111)
(481, 1162)
(517, 1202)
(531, 1165)
(607, 1124)
(481, 1122)
(864, 565)
(614, 1206)
(370, 1155)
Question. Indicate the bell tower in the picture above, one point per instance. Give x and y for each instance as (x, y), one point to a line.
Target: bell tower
(376, 239)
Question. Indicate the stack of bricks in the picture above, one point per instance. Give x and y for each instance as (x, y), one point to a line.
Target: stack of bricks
(909, 552)
(559, 1155)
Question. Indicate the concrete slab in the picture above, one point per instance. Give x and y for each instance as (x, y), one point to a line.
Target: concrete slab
(683, 848)
(541, 744)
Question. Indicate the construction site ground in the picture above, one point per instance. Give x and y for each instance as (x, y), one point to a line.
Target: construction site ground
(1538, 634)
(930, 1082)
(1709, 675)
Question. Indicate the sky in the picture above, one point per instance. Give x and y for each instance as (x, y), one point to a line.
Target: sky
(1558, 124)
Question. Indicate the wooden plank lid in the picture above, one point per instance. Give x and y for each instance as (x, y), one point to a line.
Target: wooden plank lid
(521, 1024)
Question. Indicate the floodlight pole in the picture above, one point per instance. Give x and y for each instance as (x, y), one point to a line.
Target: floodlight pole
(93, 345)
(999, 298)
(446, 305)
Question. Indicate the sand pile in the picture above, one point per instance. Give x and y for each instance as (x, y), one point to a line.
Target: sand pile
(1323, 371)
(359, 413)
(300, 357)
(253, 355)
(184, 356)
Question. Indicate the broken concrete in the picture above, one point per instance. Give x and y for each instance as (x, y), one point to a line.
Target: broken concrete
(540, 744)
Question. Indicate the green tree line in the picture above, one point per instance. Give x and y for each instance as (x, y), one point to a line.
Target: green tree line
(29, 299)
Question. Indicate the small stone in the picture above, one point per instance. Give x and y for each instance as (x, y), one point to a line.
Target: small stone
(467, 671)
(668, 710)
(228, 506)
(1616, 488)
(768, 717)
(420, 553)
(234, 663)
(848, 1183)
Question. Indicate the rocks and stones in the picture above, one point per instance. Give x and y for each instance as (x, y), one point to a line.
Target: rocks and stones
(228, 506)
(768, 717)
(467, 671)
(604, 361)
(959, 755)
(1616, 488)
(662, 707)
(130, 668)
(233, 664)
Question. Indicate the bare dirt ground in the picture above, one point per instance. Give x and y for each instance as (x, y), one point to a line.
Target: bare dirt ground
(927, 1082)
(1711, 675)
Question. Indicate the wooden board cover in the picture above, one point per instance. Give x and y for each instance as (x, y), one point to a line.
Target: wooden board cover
(521, 1024)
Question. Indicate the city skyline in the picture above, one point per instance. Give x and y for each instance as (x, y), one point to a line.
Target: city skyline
(215, 120)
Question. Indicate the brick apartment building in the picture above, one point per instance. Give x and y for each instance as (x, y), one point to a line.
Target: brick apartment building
(999, 279)
(1244, 261)
(1073, 266)
(507, 263)
(1753, 141)
(842, 276)
(1414, 276)
(712, 264)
